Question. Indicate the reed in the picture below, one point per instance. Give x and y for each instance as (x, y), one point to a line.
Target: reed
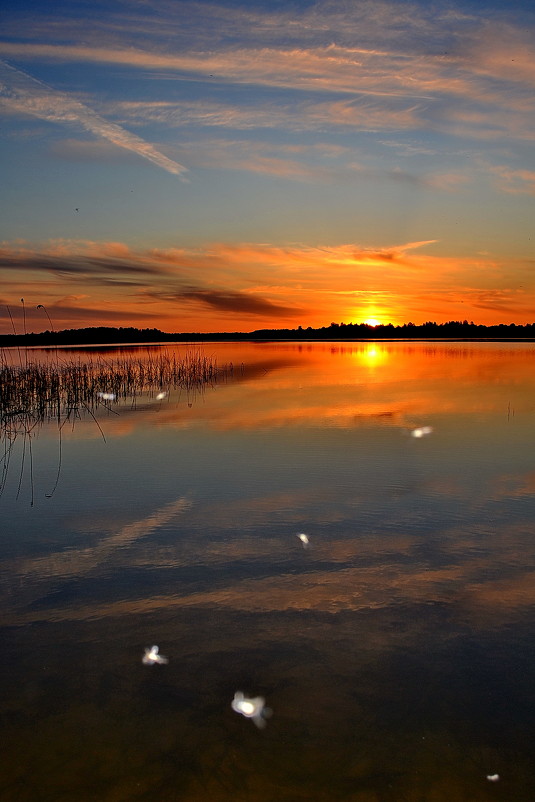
(34, 392)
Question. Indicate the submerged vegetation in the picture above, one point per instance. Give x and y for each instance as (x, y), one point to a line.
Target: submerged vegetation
(55, 389)
(58, 391)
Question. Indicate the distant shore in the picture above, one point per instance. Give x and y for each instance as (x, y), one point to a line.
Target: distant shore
(336, 332)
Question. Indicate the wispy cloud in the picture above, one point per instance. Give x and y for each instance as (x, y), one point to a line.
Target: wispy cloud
(516, 182)
(448, 182)
(503, 300)
(330, 68)
(23, 94)
(86, 259)
(470, 68)
(91, 151)
(462, 92)
(230, 301)
(71, 313)
(357, 113)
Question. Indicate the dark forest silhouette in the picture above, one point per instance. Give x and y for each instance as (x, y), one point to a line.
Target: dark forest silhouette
(453, 329)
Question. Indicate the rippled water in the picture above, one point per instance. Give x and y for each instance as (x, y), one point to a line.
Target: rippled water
(397, 651)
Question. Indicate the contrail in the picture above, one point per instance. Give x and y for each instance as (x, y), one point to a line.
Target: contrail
(22, 93)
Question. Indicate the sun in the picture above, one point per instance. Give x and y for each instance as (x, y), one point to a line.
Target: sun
(372, 321)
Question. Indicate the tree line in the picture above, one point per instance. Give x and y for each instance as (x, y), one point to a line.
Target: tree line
(101, 335)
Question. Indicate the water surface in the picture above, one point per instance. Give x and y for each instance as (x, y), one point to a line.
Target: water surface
(397, 652)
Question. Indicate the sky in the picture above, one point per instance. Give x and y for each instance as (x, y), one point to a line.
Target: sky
(226, 166)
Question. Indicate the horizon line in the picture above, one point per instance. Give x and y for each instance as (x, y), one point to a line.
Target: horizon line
(299, 330)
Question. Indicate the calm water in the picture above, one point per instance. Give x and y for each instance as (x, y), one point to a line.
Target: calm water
(397, 652)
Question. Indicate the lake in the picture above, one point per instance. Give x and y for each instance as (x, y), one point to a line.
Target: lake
(395, 649)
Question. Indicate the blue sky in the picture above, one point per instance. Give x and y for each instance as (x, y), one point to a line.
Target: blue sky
(224, 166)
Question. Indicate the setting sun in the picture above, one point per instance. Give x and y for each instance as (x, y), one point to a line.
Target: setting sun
(372, 321)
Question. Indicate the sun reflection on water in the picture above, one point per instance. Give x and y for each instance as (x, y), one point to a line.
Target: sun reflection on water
(373, 355)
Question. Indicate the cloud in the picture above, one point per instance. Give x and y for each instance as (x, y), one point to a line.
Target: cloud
(79, 266)
(216, 283)
(187, 24)
(67, 314)
(330, 67)
(316, 162)
(505, 51)
(85, 259)
(504, 300)
(104, 152)
(490, 123)
(447, 182)
(357, 113)
(384, 72)
(153, 274)
(515, 182)
(232, 272)
(368, 66)
(22, 94)
(266, 159)
(231, 301)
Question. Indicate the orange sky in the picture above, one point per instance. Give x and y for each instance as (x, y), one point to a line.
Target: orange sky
(83, 283)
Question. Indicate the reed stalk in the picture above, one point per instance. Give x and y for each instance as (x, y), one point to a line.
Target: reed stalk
(40, 391)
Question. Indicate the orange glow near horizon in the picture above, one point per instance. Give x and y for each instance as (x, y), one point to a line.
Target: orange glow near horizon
(244, 287)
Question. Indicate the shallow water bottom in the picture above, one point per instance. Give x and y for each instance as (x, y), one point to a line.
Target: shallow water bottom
(402, 703)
